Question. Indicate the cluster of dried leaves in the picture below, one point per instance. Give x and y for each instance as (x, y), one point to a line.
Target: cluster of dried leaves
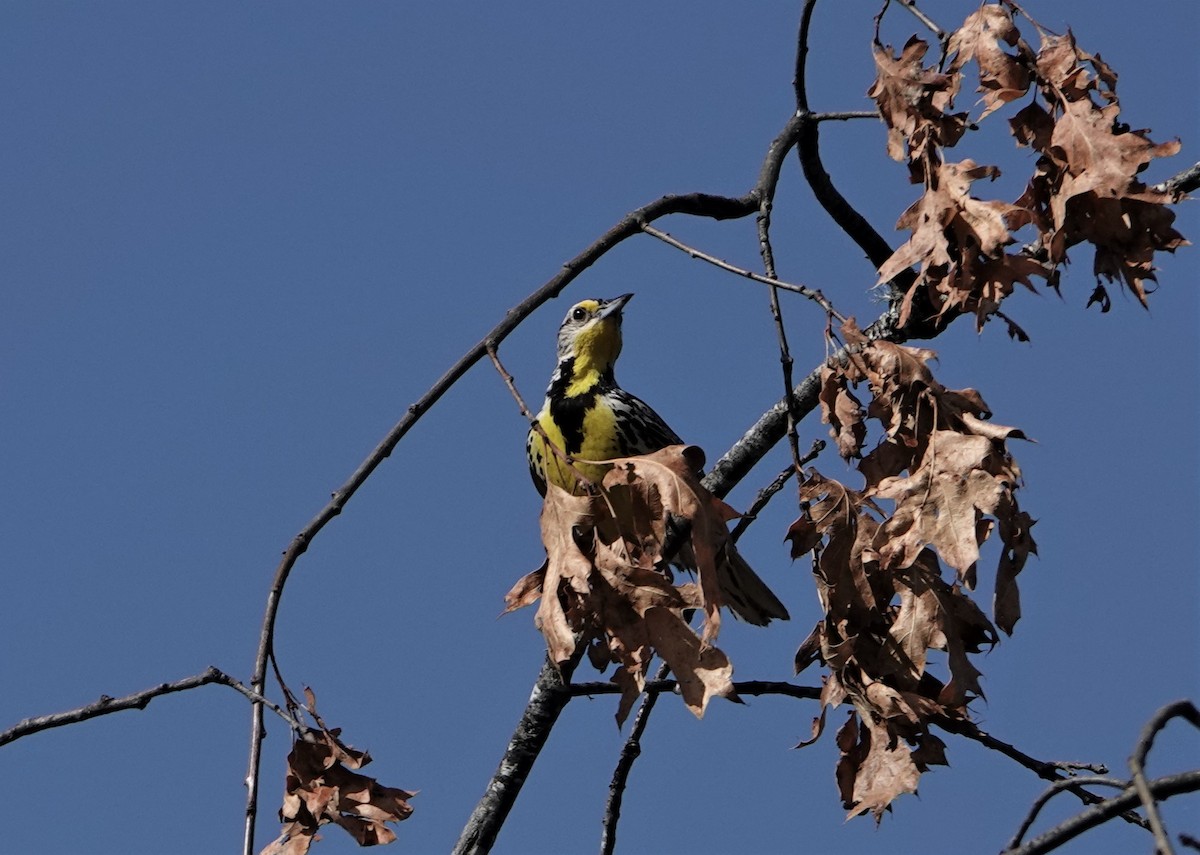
(950, 482)
(606, 585)
(322, 787)
(1084, 188)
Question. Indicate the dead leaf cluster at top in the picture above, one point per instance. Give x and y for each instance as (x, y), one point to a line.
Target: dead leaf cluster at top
(606, 583)
(937, 484)
(1084, 187)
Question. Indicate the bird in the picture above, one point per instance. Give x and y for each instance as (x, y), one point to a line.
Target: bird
(588, 417)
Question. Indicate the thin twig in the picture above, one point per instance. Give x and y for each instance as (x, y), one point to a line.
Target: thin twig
(811, 293)
(630, 752)
(1137, 764)
(533, 422)
(138, 701)
(785, 354)
(925, 20)
(844, 115)
(1044, 769)
(768, 492)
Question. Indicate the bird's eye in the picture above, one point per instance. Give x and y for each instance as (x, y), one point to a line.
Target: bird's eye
(579, 314)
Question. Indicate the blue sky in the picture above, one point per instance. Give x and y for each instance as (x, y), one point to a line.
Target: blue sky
(237, 241)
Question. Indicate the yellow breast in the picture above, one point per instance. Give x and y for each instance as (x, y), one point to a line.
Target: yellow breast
(600, 442)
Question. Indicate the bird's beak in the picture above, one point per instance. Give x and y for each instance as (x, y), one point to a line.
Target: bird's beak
(614, 306)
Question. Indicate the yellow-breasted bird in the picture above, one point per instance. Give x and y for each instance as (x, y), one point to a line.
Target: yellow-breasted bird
(588, 416)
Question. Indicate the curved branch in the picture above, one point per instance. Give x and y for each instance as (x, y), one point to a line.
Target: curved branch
(1137, 764)
(848, 219)
(1053, 790)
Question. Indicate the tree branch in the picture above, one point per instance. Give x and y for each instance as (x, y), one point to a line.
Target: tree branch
(753, 688)
(1137, 765)
(1180, 183)
(1054, 789)
(139, 701)
(1045, 769)
(542, 711)
(1160, 788)
(630, 752)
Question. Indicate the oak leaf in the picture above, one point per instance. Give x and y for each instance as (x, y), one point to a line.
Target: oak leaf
(323, 786)
(913, 100)
(1003, 77)
(874, 767)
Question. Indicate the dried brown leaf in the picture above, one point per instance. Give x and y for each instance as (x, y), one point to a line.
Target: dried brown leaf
(567, 569)
(913, 100)
(321, 788)
(874, 767)
(702, 671)
(1003, 77)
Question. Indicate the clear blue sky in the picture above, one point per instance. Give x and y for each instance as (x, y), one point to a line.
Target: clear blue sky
(238, 240)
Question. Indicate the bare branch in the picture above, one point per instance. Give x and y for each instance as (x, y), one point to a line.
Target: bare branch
(877, 249)
(536, 425)
(139, 701)
(843, 116)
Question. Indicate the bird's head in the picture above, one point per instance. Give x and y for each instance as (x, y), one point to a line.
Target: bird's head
(591, 334)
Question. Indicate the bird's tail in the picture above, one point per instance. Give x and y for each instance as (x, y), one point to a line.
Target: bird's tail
(747, 596)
